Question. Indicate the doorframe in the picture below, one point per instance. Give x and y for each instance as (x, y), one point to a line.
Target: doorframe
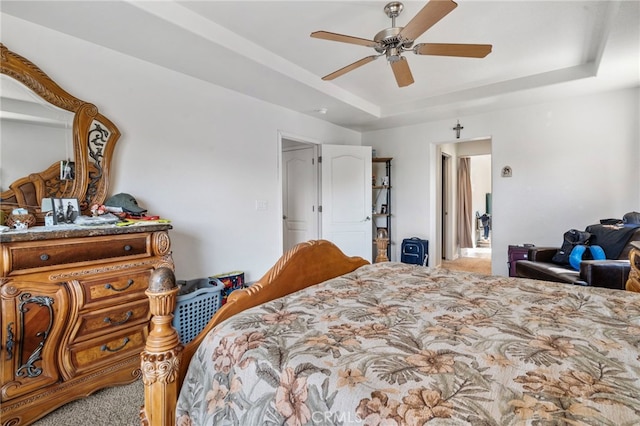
(452, 250)
(446, 196)
(298, 140)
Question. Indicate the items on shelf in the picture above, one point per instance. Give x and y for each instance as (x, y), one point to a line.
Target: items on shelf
(381, 208)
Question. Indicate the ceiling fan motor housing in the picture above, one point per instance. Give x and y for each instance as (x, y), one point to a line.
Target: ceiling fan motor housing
(389, 39)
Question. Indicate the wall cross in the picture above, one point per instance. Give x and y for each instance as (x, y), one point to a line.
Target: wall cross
(457, 129)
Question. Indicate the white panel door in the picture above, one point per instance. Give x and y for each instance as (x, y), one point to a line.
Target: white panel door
(299, 180)
(346, 198)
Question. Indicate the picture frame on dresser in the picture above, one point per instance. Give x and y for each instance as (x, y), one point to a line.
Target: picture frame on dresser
(65, 210)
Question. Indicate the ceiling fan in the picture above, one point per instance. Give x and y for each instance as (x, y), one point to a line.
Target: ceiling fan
(392, 42)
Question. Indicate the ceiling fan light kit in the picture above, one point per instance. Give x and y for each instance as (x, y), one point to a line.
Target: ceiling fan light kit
(392, 42)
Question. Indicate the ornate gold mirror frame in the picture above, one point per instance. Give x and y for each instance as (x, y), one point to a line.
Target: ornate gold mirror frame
(94, 139)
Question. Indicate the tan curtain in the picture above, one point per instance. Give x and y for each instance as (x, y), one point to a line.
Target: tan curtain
(465, 209)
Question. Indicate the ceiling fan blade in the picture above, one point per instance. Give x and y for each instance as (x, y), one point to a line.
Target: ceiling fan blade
(402, 72)
(450, 49)
(350, 67)
(326, 35)
(431, 13)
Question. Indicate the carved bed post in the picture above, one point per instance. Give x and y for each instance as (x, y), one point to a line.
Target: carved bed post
(162, 354)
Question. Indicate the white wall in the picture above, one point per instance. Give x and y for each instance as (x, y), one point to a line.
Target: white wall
(574, 162)
(192, 152)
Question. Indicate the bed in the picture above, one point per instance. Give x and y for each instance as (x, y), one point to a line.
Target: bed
(326, 339)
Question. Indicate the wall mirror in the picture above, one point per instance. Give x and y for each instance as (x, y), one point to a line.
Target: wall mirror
(43, 127)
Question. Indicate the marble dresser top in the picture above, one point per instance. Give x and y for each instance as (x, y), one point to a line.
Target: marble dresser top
(74, 231)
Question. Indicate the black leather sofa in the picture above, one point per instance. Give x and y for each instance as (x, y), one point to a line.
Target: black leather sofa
(610, 273)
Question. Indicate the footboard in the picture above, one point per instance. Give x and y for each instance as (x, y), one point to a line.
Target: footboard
(164, 360)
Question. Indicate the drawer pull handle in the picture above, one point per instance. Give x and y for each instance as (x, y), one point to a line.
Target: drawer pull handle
(108, 286)
(127, 247)
(104, 348)
(127, 317)
(44, 257)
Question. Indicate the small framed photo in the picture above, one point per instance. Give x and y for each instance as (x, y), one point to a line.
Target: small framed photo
(383, 209)
(67, 170)
(65, 210)
(385, 180)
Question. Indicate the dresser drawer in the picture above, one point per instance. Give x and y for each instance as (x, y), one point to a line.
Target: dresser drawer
(110, 349)
(97, 323)
(48, 254)
(115, 289)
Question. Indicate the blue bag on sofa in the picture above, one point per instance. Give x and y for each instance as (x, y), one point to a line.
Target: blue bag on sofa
(578, 251)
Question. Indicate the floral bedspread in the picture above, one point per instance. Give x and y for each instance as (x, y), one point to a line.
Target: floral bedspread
(397, 344)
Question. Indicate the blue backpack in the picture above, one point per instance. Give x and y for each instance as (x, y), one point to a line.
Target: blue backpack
(578, 251)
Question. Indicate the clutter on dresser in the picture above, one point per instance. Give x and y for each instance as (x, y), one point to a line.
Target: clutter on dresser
(119, 210)
(60, 211)
(20, 218)
(124, 203)
(105, 219)
(125, 207)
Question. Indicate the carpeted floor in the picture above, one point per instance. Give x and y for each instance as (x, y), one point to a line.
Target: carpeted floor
(115, 406)
(469, 264)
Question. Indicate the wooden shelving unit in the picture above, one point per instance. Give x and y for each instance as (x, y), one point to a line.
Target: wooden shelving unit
(382, 211)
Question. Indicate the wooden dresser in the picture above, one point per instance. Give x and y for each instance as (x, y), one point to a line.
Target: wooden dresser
(633, 283)
(74, 312)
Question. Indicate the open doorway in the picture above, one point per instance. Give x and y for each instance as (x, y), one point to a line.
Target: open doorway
(481, 196)
(478, 151)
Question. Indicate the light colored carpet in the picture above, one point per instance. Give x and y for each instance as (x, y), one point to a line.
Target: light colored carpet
(115, 406)
(469, 264)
